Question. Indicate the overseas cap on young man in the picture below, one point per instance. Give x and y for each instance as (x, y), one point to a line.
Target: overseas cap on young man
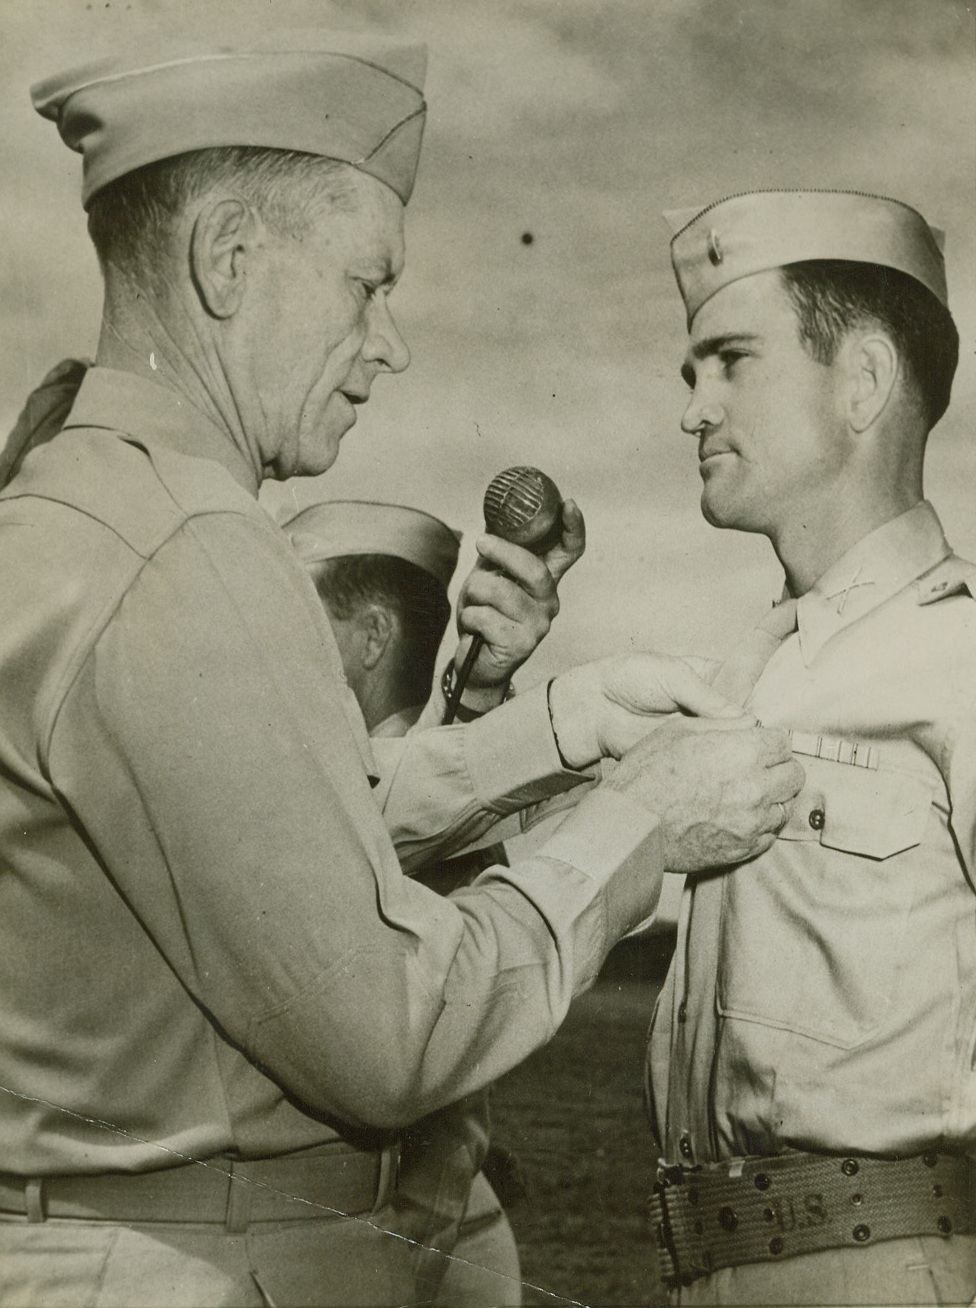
(753, 233)
(358, 102)
(341, 527)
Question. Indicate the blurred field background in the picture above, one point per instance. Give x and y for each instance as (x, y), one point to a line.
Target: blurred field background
(573, 1116)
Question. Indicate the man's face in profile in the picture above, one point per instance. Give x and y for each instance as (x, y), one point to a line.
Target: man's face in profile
(765, 413)
(321, 327)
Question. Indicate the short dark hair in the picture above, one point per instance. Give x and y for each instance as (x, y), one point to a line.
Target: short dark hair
(832, 296)
(419, 600)
(132, 217)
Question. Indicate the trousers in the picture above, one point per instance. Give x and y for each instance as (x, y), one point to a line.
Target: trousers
(483, 1269)
(918, 1270)
(328, 1263)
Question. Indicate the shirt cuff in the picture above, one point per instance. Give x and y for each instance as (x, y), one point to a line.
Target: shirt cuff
(511, 755)
(616, 843)
(596, 878)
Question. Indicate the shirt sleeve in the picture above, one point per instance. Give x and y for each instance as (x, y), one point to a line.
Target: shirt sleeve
(442, 789)
(202, 749)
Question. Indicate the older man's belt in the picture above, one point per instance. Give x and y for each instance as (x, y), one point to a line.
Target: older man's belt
(312, 1183)
(752, 1210)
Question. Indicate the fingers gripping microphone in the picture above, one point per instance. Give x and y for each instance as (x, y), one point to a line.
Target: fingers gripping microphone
(524, 507)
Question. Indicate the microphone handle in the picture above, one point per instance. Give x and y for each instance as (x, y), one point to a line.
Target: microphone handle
(461, 678)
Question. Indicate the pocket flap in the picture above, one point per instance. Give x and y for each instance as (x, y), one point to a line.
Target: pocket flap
(858, 810)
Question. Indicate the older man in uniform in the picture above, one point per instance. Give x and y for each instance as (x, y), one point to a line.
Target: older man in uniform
(811, 1062)
(221, 997)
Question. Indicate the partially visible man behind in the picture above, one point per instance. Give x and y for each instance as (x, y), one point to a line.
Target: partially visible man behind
(383, 572)
(222, 1000)
(812, 1061)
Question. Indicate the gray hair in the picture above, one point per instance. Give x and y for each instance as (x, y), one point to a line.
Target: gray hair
(131, 220)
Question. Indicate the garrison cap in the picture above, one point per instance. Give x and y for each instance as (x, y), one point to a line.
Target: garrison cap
(337, 528)
(752, 233)
(358, 102)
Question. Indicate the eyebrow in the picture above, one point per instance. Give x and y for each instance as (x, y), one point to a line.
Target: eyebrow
(712, 345)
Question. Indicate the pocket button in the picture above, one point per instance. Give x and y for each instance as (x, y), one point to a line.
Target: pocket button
(817, 818)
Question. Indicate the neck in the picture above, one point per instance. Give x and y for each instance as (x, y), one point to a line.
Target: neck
(815, 537)
(167, 347)
(379, 702)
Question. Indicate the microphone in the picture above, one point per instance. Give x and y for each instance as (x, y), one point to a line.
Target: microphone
(523, 506)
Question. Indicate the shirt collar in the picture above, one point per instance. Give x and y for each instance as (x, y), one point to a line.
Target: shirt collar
(155, 412)
(877, 567)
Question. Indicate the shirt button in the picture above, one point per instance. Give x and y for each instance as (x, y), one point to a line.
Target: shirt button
(683, 1011)
(684, 1144)
(817, 818)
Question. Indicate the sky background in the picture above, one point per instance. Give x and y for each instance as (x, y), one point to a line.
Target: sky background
(577, 121)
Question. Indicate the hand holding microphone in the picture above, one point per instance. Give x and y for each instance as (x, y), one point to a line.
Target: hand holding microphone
(508, 602)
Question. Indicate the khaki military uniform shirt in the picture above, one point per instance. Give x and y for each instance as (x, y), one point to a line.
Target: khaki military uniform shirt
(206, 941)
(823, 996)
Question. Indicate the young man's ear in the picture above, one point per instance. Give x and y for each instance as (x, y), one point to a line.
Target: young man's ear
(223, 233)
(872, 367)
(377, 627)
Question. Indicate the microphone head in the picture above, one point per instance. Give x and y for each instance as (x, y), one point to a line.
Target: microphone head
(523, 506)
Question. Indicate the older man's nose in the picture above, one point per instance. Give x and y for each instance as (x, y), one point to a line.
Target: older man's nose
(384, 344)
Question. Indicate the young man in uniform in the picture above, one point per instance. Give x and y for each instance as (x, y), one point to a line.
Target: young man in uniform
(811, 1063)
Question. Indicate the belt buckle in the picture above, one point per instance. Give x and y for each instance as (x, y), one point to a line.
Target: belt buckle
(669, 1174)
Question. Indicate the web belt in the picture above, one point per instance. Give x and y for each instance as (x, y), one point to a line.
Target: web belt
(753, 1210)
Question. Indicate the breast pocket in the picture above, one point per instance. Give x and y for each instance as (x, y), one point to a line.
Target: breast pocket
(812, 931)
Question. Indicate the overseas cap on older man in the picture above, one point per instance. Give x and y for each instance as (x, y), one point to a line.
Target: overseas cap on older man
(362, 104)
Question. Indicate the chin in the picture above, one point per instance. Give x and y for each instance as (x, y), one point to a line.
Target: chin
(304, 462)
(725, 514)
(313, 464)
(713, 511)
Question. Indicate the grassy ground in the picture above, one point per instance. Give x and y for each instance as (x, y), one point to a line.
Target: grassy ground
(573, 1115)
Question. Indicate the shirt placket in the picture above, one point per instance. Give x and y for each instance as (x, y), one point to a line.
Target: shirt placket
(692, 1131)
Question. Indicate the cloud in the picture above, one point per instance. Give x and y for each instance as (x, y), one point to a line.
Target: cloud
(577, 121)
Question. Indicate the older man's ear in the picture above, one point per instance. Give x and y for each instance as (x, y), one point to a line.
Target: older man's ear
(221, 245)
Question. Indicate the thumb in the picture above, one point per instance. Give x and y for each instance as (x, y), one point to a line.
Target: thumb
(694, 696)
(571, 545)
